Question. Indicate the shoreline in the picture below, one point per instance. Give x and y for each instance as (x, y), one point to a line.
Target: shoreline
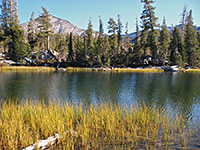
(83, 69)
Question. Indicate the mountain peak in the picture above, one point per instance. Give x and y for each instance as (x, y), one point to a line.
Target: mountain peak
(59, 26)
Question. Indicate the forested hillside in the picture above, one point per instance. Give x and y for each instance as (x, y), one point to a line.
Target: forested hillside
(152, 44)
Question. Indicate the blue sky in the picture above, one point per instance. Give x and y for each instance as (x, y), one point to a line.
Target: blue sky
(78, 12)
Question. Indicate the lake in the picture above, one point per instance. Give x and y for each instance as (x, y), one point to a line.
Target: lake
(174, 91)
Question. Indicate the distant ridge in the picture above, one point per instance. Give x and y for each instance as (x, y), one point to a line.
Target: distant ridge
(170, 28)
(59, 26)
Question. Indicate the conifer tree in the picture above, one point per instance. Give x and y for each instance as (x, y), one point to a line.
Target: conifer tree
(183, 22)
(71, 49)
(148, 27)
(112, 27)
(119, 31)
(4, 18)
(191, 42)
(199, 39)
(100, 42)
(32, 39)
(127, 46)
(61, 46)
(45, 29)
(4, 15)
(18, 48)
(10, 6)
(127, 38)
(85, 47)
(16, 18)
(80, 51)
(164, 42)
(137, 46)
(2, 38)
(1, 33)
(15, 38)
(107, 52)
(95, 51)
(90, 42)
(176, 47)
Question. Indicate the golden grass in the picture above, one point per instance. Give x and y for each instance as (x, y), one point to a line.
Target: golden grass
(104, 126)
(146, 70)
(192, 70)
(26, 69)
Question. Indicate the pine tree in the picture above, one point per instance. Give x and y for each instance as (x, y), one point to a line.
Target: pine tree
(176, 47)
(191, 42)
(60, 44)
(119, 31)
(183, 22)
(107, 52)
(71, 48)
(148, 25)
(10, 6)
(85, 47)
(199, 39)
(164, 42)
(16, 18)
(90, 42)
(17, 47)
(112, 27)
(4, 15)
(127, 46)
(32, 39)
(80, 51)
(2, 38)
(15, 38)
(95, 51)
(100, 43)
(127, 38)
(45, 29)
(137, 46)
(4, 19)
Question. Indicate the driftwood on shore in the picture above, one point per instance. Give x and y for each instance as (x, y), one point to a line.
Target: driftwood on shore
(43, 144)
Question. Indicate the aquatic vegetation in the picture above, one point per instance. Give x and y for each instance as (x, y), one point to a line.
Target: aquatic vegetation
(100, 126)
(26, 69)
(146, 70)
(193, 70)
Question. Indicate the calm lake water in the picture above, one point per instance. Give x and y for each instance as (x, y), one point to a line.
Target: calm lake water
(177, 91)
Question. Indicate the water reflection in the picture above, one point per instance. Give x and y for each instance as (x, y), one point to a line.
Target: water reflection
(179, 91)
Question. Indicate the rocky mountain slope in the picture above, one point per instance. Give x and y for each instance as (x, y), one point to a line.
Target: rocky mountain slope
(59, 26)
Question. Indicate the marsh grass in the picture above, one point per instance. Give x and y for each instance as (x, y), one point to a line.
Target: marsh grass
(192, 70)
(147, 70)
(26, 69)
(103, 126)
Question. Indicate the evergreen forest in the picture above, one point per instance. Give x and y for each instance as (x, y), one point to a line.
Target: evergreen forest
(153, 44)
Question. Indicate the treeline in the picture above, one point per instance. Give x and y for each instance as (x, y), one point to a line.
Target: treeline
(152, 45)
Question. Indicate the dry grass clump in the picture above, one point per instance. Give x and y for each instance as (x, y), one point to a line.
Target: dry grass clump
(103, 126)
(26, 69)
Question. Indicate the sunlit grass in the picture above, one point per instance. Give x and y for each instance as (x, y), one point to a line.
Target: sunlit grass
(103, 126)
(192, 70)
(26, 69)
(78, 69)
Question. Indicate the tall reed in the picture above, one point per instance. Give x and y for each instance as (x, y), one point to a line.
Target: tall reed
(103, 126)
(26, 69)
